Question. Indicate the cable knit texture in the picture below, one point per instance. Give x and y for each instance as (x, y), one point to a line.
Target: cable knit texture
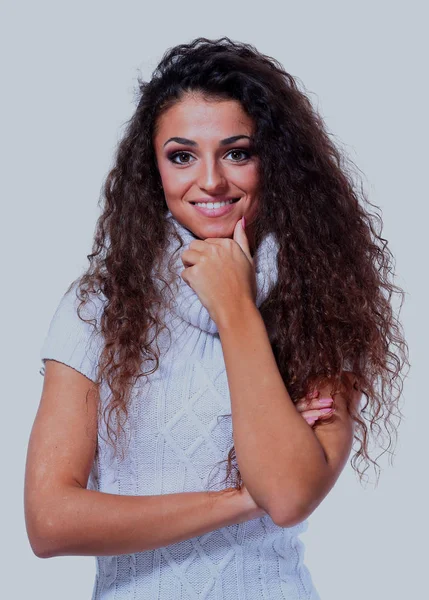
(175, 442)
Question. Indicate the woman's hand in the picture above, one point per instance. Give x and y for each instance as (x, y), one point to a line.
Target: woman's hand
(313, 408)
(221, 272)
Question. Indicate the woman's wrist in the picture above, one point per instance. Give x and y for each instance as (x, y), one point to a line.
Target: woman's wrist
(241, 505)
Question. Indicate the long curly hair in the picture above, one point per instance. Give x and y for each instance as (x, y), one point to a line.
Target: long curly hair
(331, 308)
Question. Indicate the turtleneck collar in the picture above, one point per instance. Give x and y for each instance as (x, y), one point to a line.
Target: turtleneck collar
(187, 304)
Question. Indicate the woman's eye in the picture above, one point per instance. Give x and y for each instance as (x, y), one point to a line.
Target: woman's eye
(186, 156)
(246, 152)
(173, 156)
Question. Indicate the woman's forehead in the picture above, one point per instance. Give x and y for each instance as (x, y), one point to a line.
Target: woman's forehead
(194, 116)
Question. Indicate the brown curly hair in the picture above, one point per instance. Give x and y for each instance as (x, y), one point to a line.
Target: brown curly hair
(331, 306)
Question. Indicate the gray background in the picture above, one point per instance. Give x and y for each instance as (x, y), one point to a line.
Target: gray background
(68, 75)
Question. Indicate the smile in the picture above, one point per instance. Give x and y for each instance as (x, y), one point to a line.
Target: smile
(215, 209)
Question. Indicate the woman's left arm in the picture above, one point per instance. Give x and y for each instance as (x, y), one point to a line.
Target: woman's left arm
(287, 466)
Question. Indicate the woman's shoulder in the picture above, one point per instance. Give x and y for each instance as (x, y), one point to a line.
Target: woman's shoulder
(74, 335)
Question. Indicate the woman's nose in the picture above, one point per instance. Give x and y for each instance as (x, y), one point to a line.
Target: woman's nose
(211, 177)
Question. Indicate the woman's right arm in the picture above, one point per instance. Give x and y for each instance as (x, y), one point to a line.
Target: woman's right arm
(64, 518)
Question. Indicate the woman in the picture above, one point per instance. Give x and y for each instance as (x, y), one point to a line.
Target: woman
(266, 308)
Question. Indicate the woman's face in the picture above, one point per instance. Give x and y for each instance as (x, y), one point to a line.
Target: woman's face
(203, 152)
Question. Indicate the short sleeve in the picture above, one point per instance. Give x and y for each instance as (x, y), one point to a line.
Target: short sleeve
(72, 341)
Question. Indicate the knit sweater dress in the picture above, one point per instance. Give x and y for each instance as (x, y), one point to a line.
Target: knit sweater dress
(176, 438)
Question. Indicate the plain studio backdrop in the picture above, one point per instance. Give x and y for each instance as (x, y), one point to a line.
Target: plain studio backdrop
(69, 72)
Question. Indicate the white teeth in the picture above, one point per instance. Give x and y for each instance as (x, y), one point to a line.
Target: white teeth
(213, 204)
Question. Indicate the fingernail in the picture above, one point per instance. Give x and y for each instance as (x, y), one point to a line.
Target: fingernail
(243, 222)
(325, 410)
(325, 401)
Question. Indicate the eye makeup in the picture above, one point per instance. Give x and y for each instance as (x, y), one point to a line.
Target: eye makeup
(246, 151)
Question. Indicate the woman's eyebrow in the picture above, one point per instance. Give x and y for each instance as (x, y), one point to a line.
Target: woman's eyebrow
(224, 142)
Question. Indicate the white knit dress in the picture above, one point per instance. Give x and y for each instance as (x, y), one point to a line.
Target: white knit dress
(176, 439)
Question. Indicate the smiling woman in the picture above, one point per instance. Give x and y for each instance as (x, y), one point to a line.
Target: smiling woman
(204, 171)
(235, 311)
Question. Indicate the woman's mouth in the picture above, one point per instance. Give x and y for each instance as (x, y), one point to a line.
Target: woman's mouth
(215, 209)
